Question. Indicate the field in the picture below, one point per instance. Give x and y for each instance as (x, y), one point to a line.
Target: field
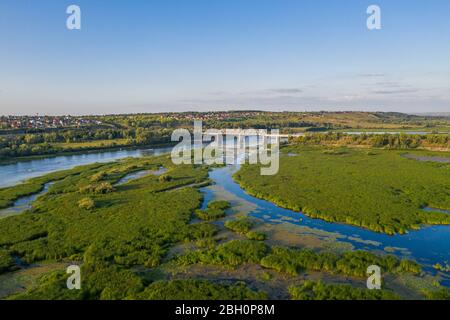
(90, 144)
(376, 189)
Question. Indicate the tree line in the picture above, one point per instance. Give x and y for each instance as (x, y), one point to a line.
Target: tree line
(389, 141)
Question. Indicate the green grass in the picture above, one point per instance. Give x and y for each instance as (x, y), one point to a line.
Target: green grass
(317, 290)
(241, 225)
(220, 205)
(199, 290)
(91, 144)
(230, 254)
(9, 194)
(256, 235)
(134, 224)
(112, 233)
(351, 263)
(381, 190)
(215, 210)
(295, 261)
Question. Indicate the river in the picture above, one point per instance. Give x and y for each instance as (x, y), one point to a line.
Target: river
(428, 246)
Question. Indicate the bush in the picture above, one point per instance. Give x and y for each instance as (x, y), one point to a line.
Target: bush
(255, 235)
(201, 231)
(210, 214)
(165, 178)
(352, 263)
(198, 290)
(86, 203)
(98, 176)
(101, 188)
(6, 261)
(219, 205)
(439, 294)
(242, 225)
(317, 290)
(231, 254)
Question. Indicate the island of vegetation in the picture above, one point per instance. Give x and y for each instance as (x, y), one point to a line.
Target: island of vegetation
(377, 189)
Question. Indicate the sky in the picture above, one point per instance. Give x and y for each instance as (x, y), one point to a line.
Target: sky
(196, 55)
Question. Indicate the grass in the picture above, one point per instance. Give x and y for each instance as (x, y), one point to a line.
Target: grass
(317, 290)
(9, 194)
(381, 191)
(294, 261)
(242, 225)
(215, 210)
(199, 290)
(91, 144)
(111, 230)
(350, 263)
(133, 224)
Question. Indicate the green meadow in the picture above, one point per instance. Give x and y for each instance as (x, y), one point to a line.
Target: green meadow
(377, 189)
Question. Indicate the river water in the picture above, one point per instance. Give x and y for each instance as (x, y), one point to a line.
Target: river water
(12, 174)
(428, 246)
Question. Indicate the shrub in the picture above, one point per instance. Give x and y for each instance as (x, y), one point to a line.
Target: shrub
(165, 178)
(101, 188)
(210, 214)
(231, 254)
(198, 290)
(317, 290)
(352, 263)
(255, 235)
(104, 187)
(220, 205)
(6, 261)
(86, 203)
(201, 231)
(206, 243)
(98, 176)
(440, 294)
(242, 225)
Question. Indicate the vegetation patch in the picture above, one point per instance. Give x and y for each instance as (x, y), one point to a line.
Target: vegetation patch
(6, 261)
(86, 203)
(351, 263)
(229, 254)
(199, 290)
(241, 225)
(100, 188)
(134, 225)
(256, 235)
(317, 290)
(219, 205)
(383, 192)
(215, 210)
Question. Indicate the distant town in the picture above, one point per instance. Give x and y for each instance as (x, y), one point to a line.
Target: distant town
(44, 122)
(68, 121)
(47, 122)
(291, 119)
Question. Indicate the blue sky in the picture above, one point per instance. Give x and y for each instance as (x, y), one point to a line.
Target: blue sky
(178, 55)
